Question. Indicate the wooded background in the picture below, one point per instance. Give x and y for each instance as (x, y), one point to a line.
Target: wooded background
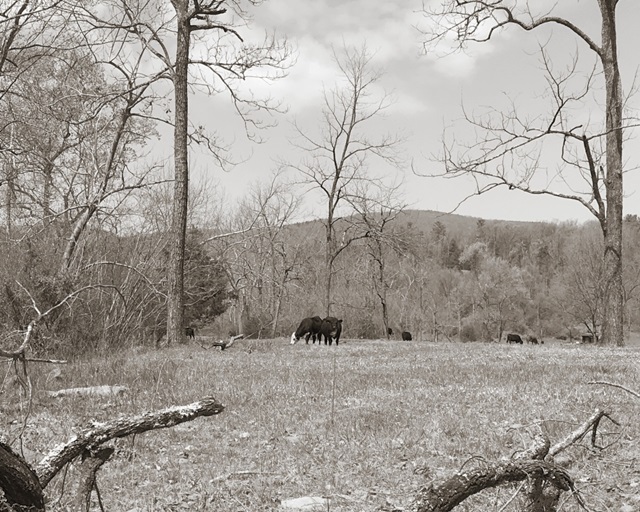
(446, 277)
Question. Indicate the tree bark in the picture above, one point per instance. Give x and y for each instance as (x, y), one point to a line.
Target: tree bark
(613, 315)
(328, 258)
(18, 481)
(175, 300)
(90, 465)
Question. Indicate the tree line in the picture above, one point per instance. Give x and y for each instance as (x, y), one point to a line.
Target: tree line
(442, 277)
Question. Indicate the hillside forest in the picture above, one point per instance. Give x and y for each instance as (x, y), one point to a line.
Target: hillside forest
(442, 277)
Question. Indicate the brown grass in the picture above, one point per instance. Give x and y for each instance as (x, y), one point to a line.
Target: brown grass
(365, 424)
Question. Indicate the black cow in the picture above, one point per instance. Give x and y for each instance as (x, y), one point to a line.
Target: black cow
(514, 338)
(190, 332)
(532, 339)
(406, 336)
(331, 329)
(389, 331)
(309, 326)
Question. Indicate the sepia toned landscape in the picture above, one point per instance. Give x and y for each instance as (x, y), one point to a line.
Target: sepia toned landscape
(340, 256)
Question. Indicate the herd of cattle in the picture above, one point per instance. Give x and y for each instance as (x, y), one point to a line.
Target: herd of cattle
(516, 338)
(315, 328)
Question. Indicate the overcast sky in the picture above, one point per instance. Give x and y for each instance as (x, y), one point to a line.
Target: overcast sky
(428, 92)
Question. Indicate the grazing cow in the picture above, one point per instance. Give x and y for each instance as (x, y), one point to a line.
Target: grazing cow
(309, 326)
(532, 339)
(331, 328)
(514, 338)
(406, 336)
(190, 332)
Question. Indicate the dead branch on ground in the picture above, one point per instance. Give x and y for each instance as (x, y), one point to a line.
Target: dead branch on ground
(605, 383)
(221, 344)
(447, 495)
(23, 486)
(590, 424)
(100, 433)
(546, 480)
(92, 461)
(89, 391)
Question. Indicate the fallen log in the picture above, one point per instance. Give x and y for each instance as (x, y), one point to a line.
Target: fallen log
(100, 433)
(448, 494)
(88, 391)
(534, 466)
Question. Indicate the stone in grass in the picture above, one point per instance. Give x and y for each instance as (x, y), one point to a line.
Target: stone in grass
(306, 503)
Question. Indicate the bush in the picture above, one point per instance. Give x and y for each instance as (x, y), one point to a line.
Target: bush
(469, 332)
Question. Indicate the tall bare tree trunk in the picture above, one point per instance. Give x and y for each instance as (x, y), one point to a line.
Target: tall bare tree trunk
(175, 299)
(328, 258)
(613, 317)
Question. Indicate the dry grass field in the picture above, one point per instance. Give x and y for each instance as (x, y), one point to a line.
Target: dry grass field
(365, 424)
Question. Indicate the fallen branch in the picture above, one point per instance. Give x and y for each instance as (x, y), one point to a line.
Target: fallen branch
(538, 450)
(89, 391)
(529, 467)
(591, 423)
(448, 494)
(50, 361)
(221, 344)
(91, 463)
(99, 433)
(605, 383)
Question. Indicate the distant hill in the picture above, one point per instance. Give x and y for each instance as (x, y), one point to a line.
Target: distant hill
(423, 221)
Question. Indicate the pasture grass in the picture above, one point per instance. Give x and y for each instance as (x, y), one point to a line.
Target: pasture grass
(365, 424)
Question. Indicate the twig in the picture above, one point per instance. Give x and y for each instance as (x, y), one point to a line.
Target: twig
(605, 383)
(513, 497)
(579, 433)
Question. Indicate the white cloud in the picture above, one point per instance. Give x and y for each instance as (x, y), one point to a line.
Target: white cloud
(427, 90)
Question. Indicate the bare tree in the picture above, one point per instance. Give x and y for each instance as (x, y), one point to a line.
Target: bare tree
(210, 53)
(508, 150)
(260, 258)
(338, 156)
(29, 31)
(376, 213)
(192, 17)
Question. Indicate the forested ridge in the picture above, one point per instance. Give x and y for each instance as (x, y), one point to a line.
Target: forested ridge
(446, 277)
